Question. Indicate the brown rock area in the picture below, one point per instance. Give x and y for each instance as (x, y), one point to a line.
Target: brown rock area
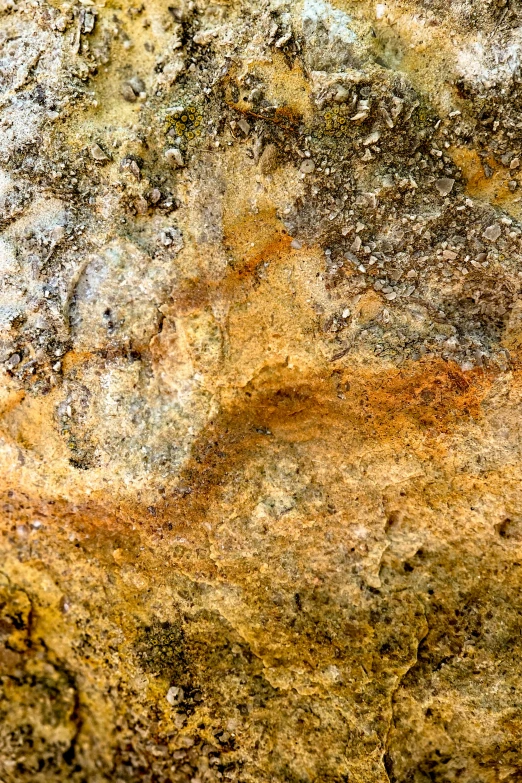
(260, 391)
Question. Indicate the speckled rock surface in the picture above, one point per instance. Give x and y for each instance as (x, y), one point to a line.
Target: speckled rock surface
(260, 391)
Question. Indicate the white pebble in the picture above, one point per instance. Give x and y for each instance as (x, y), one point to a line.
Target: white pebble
(97, 153)
(307, 166)
(174, 156)
(493, 232)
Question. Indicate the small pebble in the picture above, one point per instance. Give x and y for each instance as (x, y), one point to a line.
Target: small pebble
(97, 153)
(130, 165)
(341, 95)
(142, 205)
(268, 161)
(515, 163)
(245, 127)
(175, 695)
(13, 361)
(89, 19)
(155, 195)
(137, 84)
(444, 185)
(361, 115)
(128, 93)
(493, 232)
(307, 166)
(174, 156)
(373, 138)
(58, 234)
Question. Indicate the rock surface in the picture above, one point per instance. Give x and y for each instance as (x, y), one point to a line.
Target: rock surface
(260, 391)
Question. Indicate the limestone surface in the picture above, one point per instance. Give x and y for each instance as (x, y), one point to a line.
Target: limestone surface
(260, 391)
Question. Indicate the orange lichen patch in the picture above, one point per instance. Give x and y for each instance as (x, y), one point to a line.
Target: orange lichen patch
(495, 188)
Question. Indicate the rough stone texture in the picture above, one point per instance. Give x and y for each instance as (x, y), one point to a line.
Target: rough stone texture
(260, 391)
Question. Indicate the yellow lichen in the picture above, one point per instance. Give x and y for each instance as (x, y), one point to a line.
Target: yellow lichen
(186, 122)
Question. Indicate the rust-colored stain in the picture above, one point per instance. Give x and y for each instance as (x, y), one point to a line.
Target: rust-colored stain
(74, 359)
(251, 240)
(11, 401)
(425, 394)
(286, 88)
(282, 115)
(283, 407)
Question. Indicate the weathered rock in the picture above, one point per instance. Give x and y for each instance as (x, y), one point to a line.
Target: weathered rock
(260, 392)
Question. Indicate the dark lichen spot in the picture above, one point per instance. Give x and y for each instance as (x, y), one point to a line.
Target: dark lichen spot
(161, 650)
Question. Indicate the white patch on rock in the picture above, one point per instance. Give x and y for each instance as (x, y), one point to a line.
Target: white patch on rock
(117, 297)
(6, 184)
(12, 304)
(318, 12)
(329, 37)
(492, 64)
(7, 257)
